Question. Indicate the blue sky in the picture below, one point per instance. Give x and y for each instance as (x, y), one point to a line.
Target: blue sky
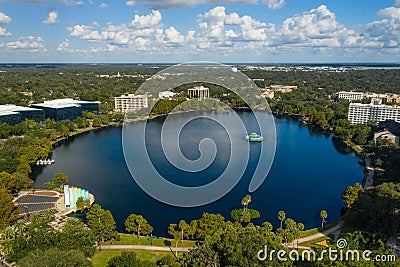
(265, 31)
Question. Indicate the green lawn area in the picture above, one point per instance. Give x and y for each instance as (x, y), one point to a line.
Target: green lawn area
(319, 229)
(129, 239)
(101, 258)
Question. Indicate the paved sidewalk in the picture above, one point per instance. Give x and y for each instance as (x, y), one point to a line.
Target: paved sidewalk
(142, 247)
(315, 236)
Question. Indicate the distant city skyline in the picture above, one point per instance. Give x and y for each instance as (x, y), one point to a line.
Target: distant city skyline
(174, 31)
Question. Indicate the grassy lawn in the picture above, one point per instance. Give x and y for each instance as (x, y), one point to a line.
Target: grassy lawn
(319, 229)
(101, 258)
(129, 239)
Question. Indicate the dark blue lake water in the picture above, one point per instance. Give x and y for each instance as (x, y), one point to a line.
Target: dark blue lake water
(309, 173)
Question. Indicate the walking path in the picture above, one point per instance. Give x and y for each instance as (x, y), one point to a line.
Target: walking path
(369, 181)
(334, 229)
(142, 247)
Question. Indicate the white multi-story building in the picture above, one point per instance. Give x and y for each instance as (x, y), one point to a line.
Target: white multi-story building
(362, 113)
(130, 102)
(199, 92)
(350, 95)
(165, 94)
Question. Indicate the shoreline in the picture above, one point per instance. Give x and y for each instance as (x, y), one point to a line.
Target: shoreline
(115, 124)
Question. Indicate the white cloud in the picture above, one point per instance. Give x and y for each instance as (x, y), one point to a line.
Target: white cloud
(165, 4)
(397, 2)
(4, 33)
(147, 21)
(27, 43)
(172, 36)
(103, 5)
(389, 13)
(52, 18)
(317, 27)
(72, 3)
(274, 4)
(213, 28)
(85, 32)
(4, 19)
(384, 32)
(64, 46)
(221, 33)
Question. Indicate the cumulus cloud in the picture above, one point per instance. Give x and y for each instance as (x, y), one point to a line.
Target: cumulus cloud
(72, 3)
(164, 4)
(217, 31)
(213, 28)
(52, 18)
(274, 4)
(103, 5)
(147, 21)
(4, 19)
(389, 13)
(27, 43)
(317, 27)
(64, 46)
(384, 32)
(84, 32)
(4, 33)
(173, 37)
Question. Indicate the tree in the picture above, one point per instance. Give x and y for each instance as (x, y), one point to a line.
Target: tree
(96, 122)
(184, 229)
(267, 226)
(49, 185)
(81, 204)
(246, 201)
(244, 216)
(129, 259)
(376, 210)
(174, 231)
(8, 212)
(234, 246)
(208, 224)
(281, 217)
(22, 180)
(20, 226)
(24, 167)
(55, 257)
(60, 179)
(323, 214)
(102, 223)
(351, 193)
(138, 224)
(7, 181)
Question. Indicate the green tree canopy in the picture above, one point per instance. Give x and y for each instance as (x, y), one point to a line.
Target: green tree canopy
(138, 224)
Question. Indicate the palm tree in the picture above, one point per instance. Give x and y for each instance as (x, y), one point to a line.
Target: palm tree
(245, 202)
(8, 233)
(20, 226)
(323, 216)
(281, 216)
(183, 226)
(140, 222)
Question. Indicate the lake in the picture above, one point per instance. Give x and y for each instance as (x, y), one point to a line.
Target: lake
(309, 172)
